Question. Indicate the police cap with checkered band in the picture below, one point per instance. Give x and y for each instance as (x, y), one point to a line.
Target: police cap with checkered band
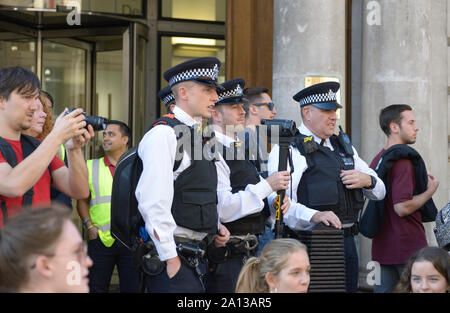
(322, 96)
(166, 96)
(200, 70)
(233, 92)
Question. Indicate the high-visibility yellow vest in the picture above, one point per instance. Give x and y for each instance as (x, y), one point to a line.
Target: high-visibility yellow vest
(100, 184)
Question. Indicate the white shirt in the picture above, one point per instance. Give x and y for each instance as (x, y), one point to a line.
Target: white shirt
(233, 206)
(155, 188)
(299, 216)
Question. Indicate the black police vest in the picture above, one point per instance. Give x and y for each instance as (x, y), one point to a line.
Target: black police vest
(321, 187)
(243, 173)
(194, 203)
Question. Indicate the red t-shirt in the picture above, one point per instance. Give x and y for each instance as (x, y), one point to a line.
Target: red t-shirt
(108, 163)
(399, 237)
(41, 188)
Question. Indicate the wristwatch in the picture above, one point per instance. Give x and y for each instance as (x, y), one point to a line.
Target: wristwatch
(374, 182)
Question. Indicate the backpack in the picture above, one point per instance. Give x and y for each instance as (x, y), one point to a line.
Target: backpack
(29, 144)
(127, 225)
(442, 228)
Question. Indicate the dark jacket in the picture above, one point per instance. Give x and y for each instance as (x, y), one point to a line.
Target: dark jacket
(372, 219)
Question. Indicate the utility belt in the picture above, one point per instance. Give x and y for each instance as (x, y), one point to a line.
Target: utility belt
(236, 248)
(352, 230)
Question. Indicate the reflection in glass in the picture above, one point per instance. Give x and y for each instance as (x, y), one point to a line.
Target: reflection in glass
(18, 53)
(108, 93)
(125, 7)
(64, 75)
(175, 50)
(203, 10)
(140, 83)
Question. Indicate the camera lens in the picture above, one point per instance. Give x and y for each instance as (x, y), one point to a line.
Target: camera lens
(97, 122)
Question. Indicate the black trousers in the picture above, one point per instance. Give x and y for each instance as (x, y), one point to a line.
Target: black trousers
(185, 280)
(224, 277)
(105, 259)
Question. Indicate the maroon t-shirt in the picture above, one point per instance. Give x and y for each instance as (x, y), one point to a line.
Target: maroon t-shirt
(399, 237)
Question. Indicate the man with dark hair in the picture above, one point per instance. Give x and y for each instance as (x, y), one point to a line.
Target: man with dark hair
(402, 231)
(259, 107)
(28, 182)
(95, 212)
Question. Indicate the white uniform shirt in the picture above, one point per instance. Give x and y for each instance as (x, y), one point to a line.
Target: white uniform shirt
(299, 216)
(155, 188)
(233, 206)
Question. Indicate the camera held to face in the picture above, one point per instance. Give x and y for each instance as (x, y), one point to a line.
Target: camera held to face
(97, 122)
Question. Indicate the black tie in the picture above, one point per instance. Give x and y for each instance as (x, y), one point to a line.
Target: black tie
(322, 142)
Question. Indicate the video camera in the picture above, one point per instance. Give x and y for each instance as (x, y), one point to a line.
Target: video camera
(286, 128)
(97, 122)
(287, 131)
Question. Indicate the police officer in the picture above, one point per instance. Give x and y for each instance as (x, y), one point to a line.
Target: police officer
(95, 212)
(329, 178)
(166, 96)
(179, 206)
(241, 191)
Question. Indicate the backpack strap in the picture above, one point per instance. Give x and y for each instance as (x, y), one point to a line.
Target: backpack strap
(170, 120)
(10, 157)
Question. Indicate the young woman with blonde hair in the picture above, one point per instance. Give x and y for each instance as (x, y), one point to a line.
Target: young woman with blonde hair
(283, 266)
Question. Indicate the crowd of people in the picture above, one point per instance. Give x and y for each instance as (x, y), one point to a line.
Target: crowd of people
(223, 205)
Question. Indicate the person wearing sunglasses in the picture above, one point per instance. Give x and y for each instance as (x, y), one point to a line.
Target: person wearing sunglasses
(41, 251)
(259, 107)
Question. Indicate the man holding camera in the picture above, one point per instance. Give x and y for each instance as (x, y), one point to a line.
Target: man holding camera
(329, 178)
(241, 191)
(95, 212)
(28, 182)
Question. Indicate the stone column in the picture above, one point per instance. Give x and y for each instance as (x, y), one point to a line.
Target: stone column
(309, 40)
(404, 60)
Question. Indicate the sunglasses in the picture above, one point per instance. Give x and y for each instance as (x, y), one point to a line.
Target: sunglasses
(271, 105)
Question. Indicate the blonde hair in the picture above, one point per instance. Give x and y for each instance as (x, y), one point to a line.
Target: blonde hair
(252, 278)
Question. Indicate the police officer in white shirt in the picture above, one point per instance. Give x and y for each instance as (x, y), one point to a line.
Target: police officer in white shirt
(329, 179)
(179, 206)
(241, 191)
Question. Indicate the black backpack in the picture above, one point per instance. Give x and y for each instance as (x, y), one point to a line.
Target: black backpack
(29, 144)
(126, 220)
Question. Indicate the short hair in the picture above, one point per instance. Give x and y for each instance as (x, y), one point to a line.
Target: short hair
(124, 129)
(392, 114)
(253, 94)
(18, 78)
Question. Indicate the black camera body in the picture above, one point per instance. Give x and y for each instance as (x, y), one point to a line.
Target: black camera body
(97, 122)
(286, 128)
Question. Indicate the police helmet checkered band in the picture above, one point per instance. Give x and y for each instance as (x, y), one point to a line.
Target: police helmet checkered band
(168, 99)
(321, 97)
(236, 92)
(203, 73)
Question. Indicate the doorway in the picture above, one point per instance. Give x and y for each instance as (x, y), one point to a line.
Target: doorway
(98, 66)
